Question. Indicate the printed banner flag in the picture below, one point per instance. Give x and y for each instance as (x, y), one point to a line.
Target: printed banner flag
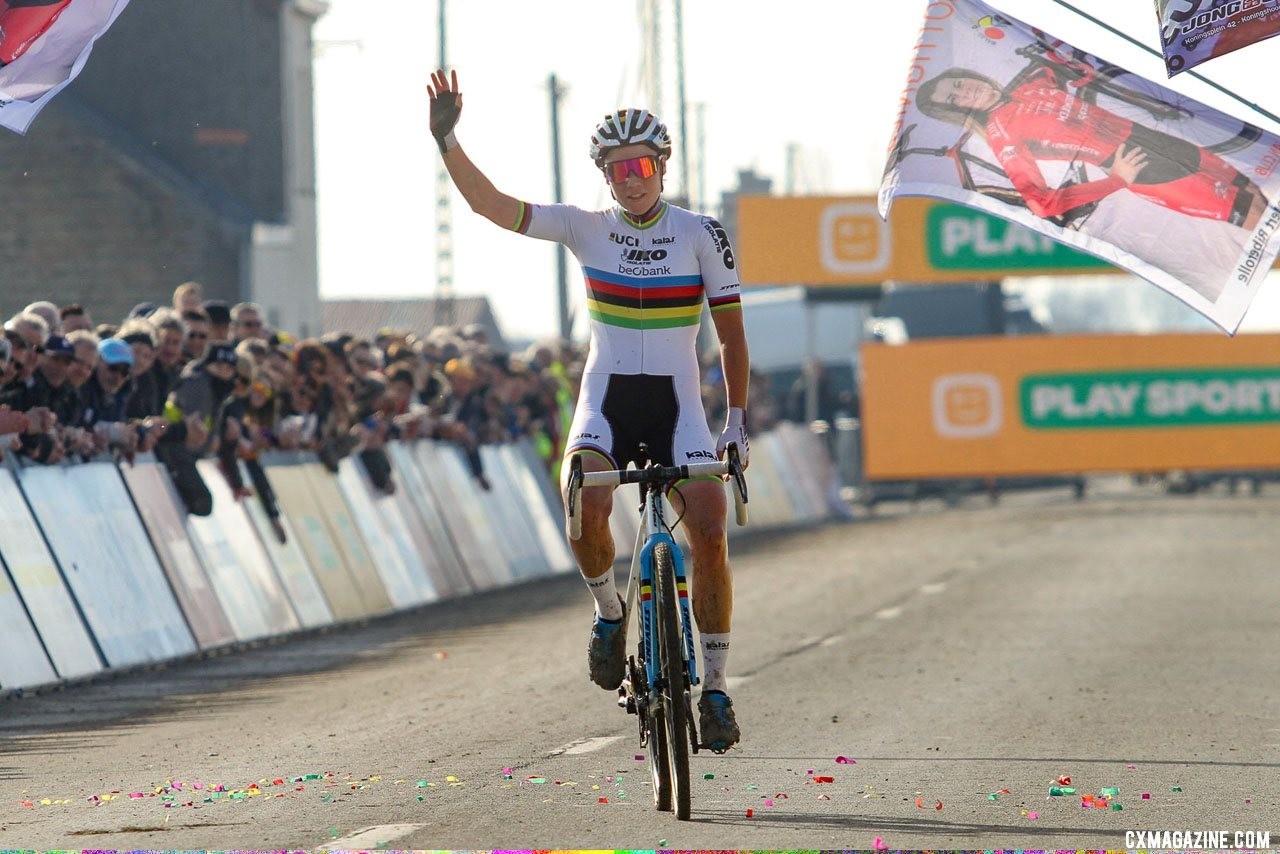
(1003, 117)
(1195, 31)
(43, 46)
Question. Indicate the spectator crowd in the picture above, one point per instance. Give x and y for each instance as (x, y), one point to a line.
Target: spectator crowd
(200, 378)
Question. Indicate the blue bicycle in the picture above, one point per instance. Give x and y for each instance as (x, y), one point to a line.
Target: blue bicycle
(660, 677)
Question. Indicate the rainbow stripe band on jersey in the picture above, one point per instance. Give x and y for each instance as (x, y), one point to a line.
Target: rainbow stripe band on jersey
(659, 303)
(523, 216)
(725, 303)
(650, 221)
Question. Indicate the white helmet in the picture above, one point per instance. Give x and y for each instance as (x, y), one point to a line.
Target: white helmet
(629, 127)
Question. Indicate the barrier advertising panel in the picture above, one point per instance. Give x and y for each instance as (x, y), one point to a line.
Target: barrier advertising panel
(291, 566)
(165, 519)
(36, 577)
(293, 490)
(324, 486)
(239, 567)
(426, 525)
(502, 505)
(450, 501)
(23, 662)
(529, 478)
(376, 515)
(89, 521)
(1071, 404)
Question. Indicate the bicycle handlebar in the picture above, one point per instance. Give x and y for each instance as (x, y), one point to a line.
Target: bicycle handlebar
(654, 474)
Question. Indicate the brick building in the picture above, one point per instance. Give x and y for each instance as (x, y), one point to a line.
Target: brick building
(184, 150)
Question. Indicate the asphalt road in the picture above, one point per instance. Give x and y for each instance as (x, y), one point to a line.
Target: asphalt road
(1128, 641)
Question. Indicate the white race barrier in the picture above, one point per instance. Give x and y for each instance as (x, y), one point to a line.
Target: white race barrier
(447, 476)
(243, 577)
(291, 565)
(166, 521)
(94, 532)
(806, 454)
(378, 518)
(23, 662)
(114, 584)
(769, 500)
(293, 491)
(44, 594)
(511, 526)
(529, 489)
(420, 511)
(323, 485)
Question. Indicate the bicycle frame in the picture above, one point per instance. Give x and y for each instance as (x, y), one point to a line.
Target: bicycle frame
(653, 530)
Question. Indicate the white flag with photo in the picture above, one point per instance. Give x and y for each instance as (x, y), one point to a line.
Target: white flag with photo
(43, 46)
(1006, 118)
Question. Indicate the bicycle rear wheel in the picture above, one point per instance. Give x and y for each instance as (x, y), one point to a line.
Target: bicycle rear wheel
(675, 716)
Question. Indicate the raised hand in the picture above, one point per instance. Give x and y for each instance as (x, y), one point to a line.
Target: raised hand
(446, 107)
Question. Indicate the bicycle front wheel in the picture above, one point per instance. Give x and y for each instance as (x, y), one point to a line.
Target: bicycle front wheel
(675, 710)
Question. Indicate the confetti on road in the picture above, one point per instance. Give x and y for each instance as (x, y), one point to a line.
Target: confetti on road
(845, 760)
(879, 844)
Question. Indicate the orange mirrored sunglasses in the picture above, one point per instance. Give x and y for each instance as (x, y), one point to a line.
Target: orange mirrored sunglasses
(644, 166)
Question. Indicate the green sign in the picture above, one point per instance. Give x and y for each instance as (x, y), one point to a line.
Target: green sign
(963, 238)
(1167, 398)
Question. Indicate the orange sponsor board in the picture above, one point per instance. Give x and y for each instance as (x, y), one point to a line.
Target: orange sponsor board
(842, 241)
(976, 407)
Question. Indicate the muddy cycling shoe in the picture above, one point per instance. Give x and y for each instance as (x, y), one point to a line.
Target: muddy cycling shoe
(717, 726)
(606, 653)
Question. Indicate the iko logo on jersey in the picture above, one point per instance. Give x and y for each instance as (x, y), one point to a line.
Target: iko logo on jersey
(721, 241)
(699, 455)
(644, 256)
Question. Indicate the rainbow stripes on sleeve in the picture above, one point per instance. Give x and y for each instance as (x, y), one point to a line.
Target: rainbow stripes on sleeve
(523, 215)
(725, 303)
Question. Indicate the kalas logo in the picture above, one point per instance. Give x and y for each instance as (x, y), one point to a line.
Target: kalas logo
(992, 26)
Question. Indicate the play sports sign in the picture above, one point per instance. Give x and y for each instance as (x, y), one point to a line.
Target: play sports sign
(977, 407)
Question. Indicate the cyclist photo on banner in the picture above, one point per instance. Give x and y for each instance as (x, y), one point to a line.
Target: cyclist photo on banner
(650, 267)
(1005, 117)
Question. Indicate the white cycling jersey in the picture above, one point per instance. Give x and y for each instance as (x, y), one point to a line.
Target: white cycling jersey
(646, 283)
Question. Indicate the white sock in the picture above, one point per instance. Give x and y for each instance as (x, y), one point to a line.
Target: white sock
(605, 591)
(715, 660)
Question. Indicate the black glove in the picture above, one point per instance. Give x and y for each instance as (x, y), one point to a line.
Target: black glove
(446, 107)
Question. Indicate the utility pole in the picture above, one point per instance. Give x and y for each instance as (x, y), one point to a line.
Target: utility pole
(444, 219)
(562, 282)
(699, 116)
(685, 186)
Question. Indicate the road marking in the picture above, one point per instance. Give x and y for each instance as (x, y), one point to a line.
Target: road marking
(833, 640)
(889, 613)
(930, 589)
(586, 745)
(370, 837)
